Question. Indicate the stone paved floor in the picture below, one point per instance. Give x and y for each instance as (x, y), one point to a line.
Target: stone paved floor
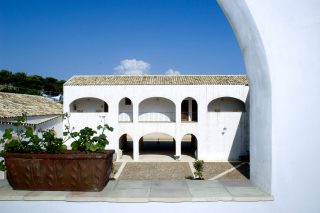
(156, 171)
(212, 169)
(148, 191)
(181, 170)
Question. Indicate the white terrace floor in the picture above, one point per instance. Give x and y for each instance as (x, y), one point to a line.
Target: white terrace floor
(148, 191)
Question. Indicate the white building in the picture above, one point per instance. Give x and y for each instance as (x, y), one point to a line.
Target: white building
(41, 113)
(205, 114)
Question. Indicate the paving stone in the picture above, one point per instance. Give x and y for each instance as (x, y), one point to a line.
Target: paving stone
(104, 195)
(168, 184)
(130, 195)
(116, 195)
(169, 191)
(210, 194)
(170, 195)
(7, 193)
(4, 183)
(133, 184)
(46, 195)
(203, 184)
(248, 194)
(237, 183)
(110, 185)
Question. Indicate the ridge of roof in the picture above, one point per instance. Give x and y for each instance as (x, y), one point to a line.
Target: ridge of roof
(86, 80)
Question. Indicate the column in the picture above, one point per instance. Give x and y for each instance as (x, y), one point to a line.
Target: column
(178, 147)
(135, 149)
(178, 126)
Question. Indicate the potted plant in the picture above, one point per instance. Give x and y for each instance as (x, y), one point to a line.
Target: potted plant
(44, 163)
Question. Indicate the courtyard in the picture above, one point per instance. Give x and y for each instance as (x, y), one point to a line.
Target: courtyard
(180, 171)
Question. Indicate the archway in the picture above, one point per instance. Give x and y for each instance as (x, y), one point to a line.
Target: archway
(226, 104)
(125, 110)
(157, 109)
(189, 147)
(157, 146)
(189, 110)
(126, 147)
(88, 104)
(257, 69)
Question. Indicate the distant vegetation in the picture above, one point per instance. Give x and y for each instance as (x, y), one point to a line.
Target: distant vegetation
(20, 82)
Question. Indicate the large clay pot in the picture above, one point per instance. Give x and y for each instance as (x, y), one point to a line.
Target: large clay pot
(68, 171)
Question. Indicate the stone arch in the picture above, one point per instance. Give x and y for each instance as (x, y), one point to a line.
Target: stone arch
(256, 63)
(125, 110)
(189, 145)
(157, 143)
(88, 104)
(226, 104)
(125, 146)
(189, 110)
(158, 109)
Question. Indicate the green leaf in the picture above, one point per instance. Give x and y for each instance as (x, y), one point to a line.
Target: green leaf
(2, 166)
(29, 132)
(74, 145)
(92, 148)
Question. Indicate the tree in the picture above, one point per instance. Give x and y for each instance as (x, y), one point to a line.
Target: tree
(5, 77)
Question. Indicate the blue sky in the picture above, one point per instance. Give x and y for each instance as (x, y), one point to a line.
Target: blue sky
(61, 38)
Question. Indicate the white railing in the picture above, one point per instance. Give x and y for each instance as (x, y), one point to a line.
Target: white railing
(157, 117)
(125, 116)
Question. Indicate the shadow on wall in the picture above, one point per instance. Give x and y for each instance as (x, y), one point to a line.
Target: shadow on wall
(241, 144)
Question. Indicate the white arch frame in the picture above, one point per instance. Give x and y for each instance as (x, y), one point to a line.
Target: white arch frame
(160, 97)
(237, 99)
(92, 97)
(254, 55)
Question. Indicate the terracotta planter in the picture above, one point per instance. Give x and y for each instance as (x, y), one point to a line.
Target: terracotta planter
(69, 171)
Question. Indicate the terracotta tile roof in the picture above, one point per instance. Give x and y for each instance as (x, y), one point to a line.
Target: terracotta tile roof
(157, 80)
(12, 105)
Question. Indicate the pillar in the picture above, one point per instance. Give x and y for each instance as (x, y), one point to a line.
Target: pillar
(135, 149)
(178, 147)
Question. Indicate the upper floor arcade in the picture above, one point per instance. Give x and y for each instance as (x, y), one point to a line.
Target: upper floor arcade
(160, 99)
(156, 109)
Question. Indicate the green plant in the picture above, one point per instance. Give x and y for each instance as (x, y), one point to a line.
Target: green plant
(198, 166)
(52, 144)
(25, 140)
(87, 139)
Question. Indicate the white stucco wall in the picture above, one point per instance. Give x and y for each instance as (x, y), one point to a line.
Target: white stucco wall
(157, 109)
(56, 124)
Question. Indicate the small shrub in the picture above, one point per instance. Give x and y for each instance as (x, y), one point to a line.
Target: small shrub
(198, 166)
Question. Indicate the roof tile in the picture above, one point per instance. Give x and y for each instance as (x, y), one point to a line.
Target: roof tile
(157, 80)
